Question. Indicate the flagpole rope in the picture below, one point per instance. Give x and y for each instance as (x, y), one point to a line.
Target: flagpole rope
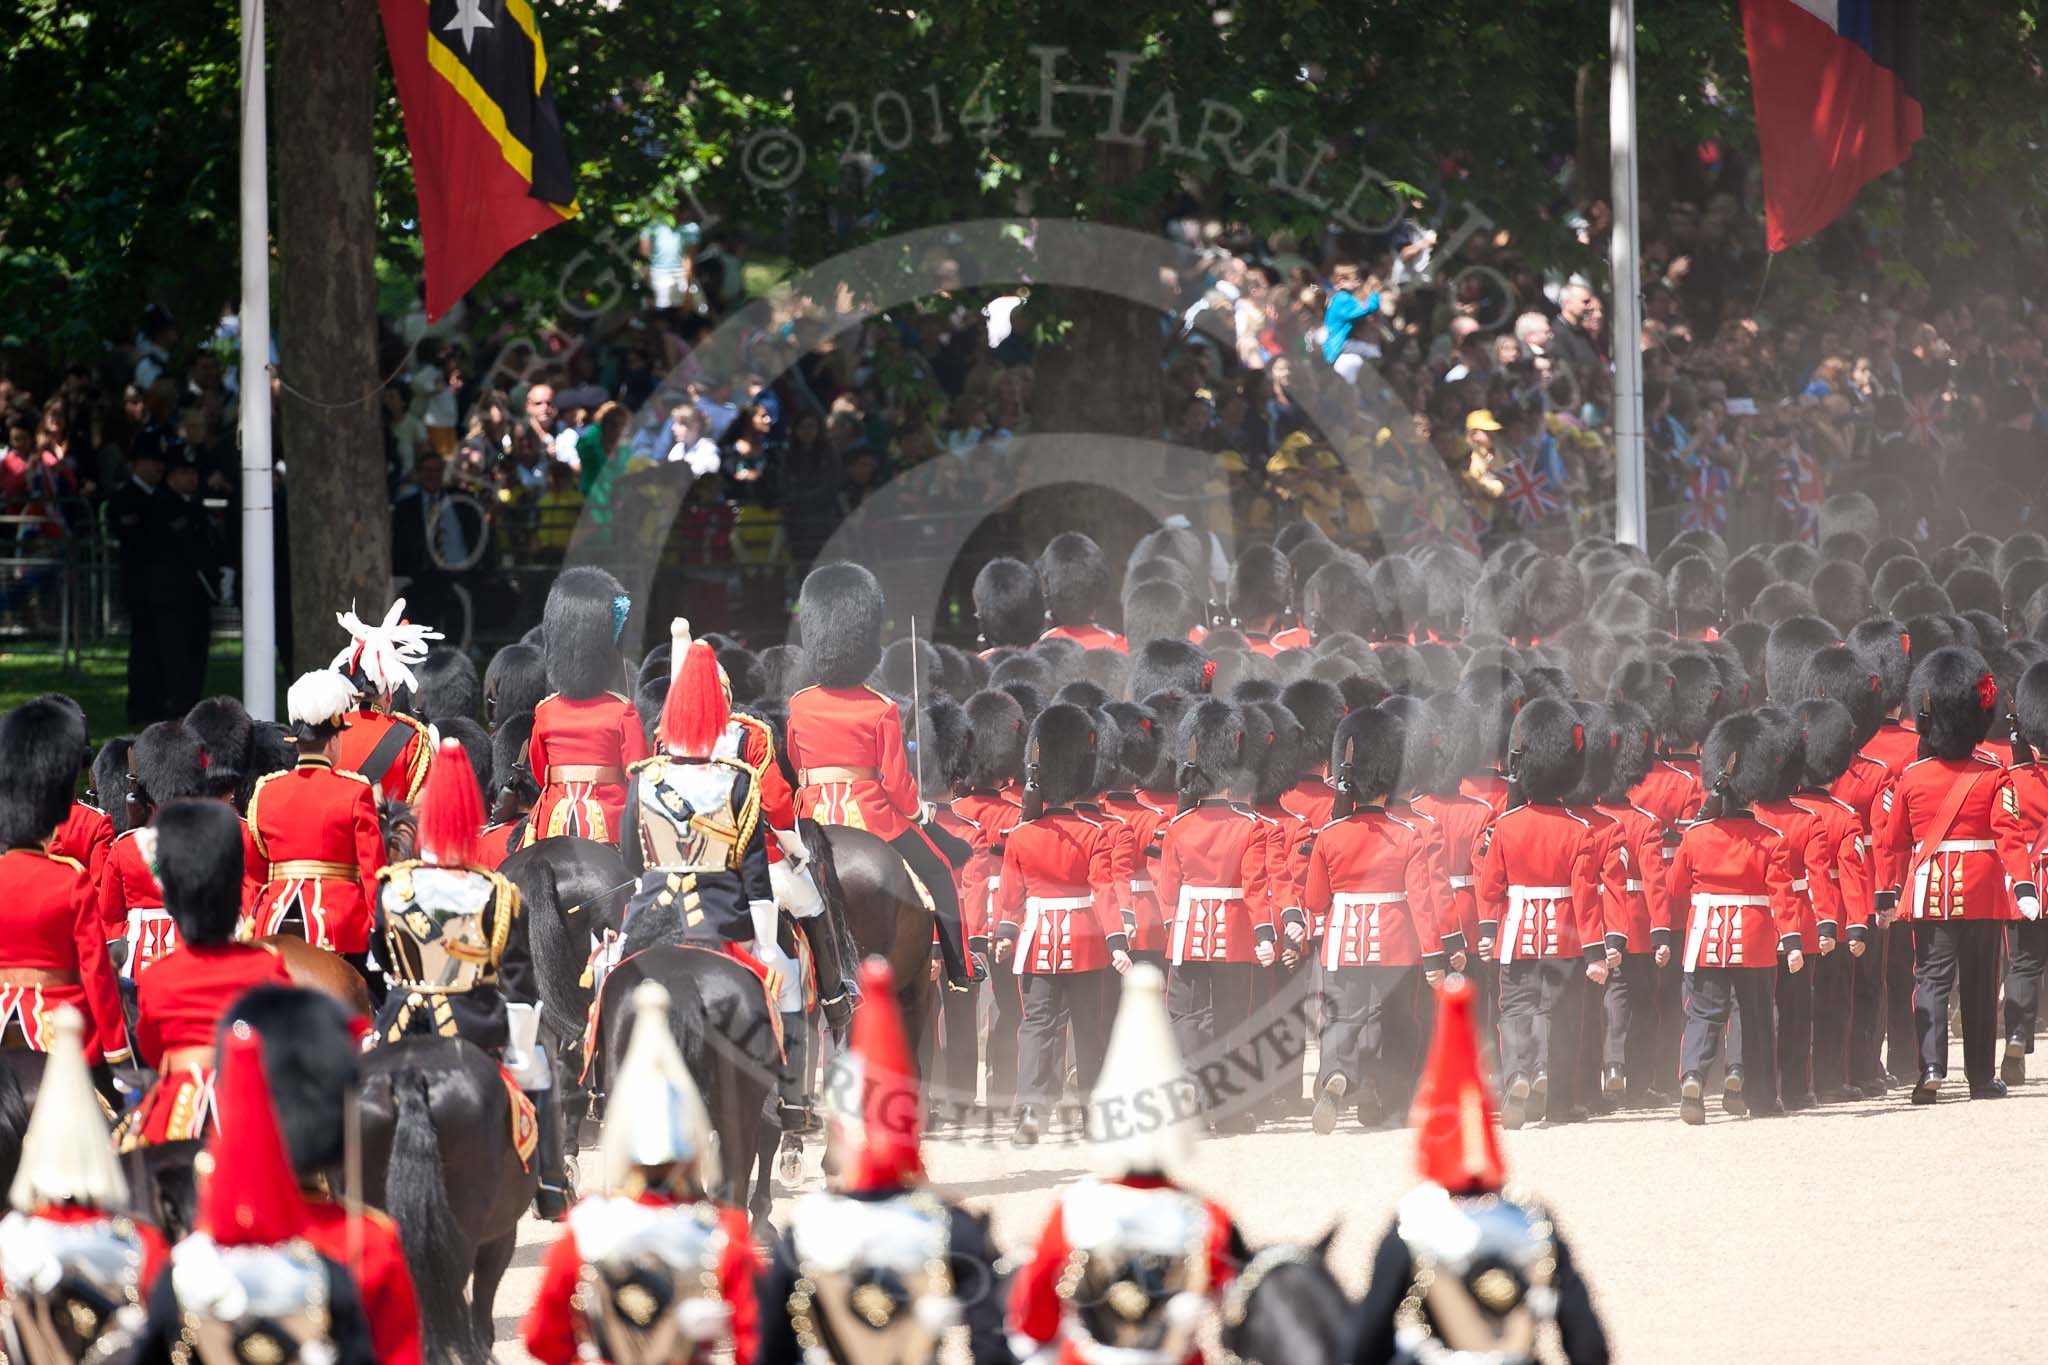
(288, 387)
(1763, 283)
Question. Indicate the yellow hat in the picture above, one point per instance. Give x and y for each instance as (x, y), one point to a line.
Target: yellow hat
(1230, 462)
(1297, 441)
(1326, 458)
(1282, 462)
(1479, 419)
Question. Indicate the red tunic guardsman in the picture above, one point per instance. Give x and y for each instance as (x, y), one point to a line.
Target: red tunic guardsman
(585, 735)
(1430, 1294)
(1629, 1045)
(1951, 824)
(78, 1268)
(1885, 648)
(1812, 850)
(166, 762)
(1261, 596)
(1830, 746)
(249, 1284)
(992, 773)
(846, 741)
(873, 1267)
(1215, 866)
(1370, 887)
(2027, 939)
(1138, 754)
(86, 837)
(1078, 590)
(659, 1161)
(311, 1063)
(1732, 878)
(316, 832)
(180, 1000)
(1129, 1263)
(52, 949)
(1622, 904)
(1009, 605)
(1539, 889)
(1058, 918)
(386, 746)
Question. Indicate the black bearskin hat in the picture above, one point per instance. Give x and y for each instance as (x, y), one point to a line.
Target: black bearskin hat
(1738, 688)
(1896, 574)
(449, 686)
(1746, 576)
(1831, 740)
(1794, 562)
(1845, 676)
(2020, 582)
(511, 757)
(896, 668)
(1108, 670)
(1883, 551)
(1781, 601)
(1440, 664)
(514, 683)
(1953, 699)
(1209, 749)
(1743, 761)
(1403, 592)
(1296, 533)
(1450, 573)
(1844, 545)
(1403, 667)
(1028, 669)
(1919, 599)
(41, 742)
(1625, 612)
(1253, 689)
(310, 1060)
(1274, 739)
(1060, 757)
(1750, 640)
(1162, 569)
(1635, 746)
(960, 673)
(1547, 750)
(1693, 585)
(1700, 540)
(1009, 603)
(1159, 611)
(199, 866)
(1339, 600)
(1792, 643)
(785, 670)
(1083, 694)
(1494, 606)
(1546, 680)
(1170, 665)
(1318, 707)
(940, 757)
(169, 763)
(1603, 738)
(1974, 589)
(1646, 681)
(1308, 554)
(1696, 698)
(227, 733)
(1137, 742)
(1553, 596)
(2030, 706)
(1261, 585)
(839, 623)
(2025, 545)
(995, 742)
(476, 746)
(1841, 593)
(1027, 695)
(1494, 695)
(580, 628)
(1368, 752)
(1061, 655)
(1790, 745)
(1185, 546)
(1360, 689)
(1418, 748)
(1925, 634)
(110, 779)
(1885, 649)
(1989, 630)
(1457, 741)
(1075, 577)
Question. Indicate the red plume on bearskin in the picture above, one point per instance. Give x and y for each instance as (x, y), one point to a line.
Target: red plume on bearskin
(1456, 1145)
(251, 1197)
(695, 714)
(451, 809)
(881, 1112)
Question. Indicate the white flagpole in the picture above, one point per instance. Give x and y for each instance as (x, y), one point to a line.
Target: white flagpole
(1630, 514)
(259, 612)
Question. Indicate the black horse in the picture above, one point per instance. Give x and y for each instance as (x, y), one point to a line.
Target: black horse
(1285, 1308)
(725, 1029)
(866, 881)
(14, 1107)
(163, 1185)
(439, 1157)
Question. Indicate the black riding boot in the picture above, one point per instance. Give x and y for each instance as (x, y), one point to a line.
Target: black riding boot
(551, 1201)
(834, 997)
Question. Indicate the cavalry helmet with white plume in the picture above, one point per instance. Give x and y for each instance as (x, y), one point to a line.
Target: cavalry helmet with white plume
(1142, 1074)
(379, 658)
(666, 1124)
(67, 1153)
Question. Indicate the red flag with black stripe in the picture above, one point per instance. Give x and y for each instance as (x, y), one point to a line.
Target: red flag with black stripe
(487, 153)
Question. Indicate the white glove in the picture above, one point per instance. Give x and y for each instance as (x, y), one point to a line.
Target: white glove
(702, 1319)
(2030, 907)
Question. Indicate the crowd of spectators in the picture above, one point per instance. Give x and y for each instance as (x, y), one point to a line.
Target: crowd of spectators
(1471, 402)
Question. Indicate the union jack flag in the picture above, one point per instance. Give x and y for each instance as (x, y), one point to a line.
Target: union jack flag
(1801, 491)
(1923, 420)
(1527, 493)
(1706, 498)
(1464, 530)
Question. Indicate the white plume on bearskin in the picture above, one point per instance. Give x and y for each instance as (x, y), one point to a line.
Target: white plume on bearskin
(666, 1121)
(384, 652)
(1142, 1118)
(67, 1154)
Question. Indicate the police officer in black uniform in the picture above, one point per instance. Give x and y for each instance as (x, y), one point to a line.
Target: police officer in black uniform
(135, 511)
(194, 578)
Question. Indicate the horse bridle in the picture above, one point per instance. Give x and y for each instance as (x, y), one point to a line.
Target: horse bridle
(1237, 1300)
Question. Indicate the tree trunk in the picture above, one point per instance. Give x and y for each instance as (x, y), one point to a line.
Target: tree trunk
(323, 87)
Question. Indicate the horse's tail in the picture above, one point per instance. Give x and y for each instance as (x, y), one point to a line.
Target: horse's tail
(818, 852)
(549, 945)
(418, 1195)
(13, 1127)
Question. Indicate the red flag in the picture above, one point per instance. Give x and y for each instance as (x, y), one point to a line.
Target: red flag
(487, 153)
(1837, 103)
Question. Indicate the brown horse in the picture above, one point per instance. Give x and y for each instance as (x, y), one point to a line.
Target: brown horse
(316, 969)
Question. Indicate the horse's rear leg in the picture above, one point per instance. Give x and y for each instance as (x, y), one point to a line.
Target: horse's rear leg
(491, 1260)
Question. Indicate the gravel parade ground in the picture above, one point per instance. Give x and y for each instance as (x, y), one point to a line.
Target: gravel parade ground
(1867, 1232)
